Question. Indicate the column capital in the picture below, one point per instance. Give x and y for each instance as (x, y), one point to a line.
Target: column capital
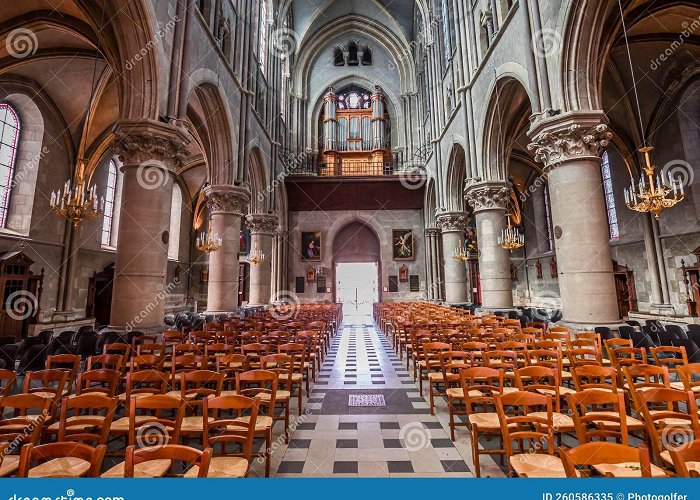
(570, 136)
(450, 222)
(262, 223)
(488, 195)
(149, 142)
(227, 199)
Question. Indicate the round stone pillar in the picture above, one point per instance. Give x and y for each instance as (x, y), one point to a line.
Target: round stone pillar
(569, 146)
(262, 228)
(453, 226)
(150, 152)
(489, 201)
(226, 204)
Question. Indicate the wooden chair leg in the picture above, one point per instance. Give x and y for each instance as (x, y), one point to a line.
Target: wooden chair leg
(475, 451)
(268, 455)
(452, 419)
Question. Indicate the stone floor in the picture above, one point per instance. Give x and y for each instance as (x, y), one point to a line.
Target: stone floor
(401, 439)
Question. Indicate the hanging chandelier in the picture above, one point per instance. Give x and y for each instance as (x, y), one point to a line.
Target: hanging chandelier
(461, 254)
(652, 193)
(208, 242)
(511, 237)
(256, 256)
(76, 202)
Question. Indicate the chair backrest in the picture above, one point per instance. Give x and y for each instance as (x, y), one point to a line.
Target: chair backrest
(7, 381)
(174, 452)
(606, 418)
(31, 454)
(106, 361)
(118, 348)
(102, 381)
(152, 425)
(670, 357)
(255, 383)
(94, 414)
(595, 453)
(146, 382)
(594, 377)
(689, 375)
(27, 415)
(220, 429)
(526, 418)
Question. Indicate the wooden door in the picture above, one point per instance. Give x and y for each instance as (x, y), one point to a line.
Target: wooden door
(623, 294)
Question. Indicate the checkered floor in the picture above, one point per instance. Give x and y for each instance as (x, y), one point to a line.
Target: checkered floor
(332, 439)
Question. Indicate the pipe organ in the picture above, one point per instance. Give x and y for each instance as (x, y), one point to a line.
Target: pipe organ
(355, 133)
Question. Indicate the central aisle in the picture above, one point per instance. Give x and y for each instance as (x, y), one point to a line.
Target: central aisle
(399, 439)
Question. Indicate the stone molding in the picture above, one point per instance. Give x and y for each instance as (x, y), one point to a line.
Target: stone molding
(432, 232)
(452, 221)
(489, 195)
(227, 199)
(149, 142)
(571, 136)
(262, 223)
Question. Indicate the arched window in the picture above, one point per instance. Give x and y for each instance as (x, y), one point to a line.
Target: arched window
(175, 220)
(108, 220)
(262, 55)
(9, 134)
(609, 197)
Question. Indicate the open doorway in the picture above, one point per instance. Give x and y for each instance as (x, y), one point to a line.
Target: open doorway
(357, 288)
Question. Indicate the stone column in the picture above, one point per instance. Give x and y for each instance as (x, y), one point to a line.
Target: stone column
(432, 267)
(150, 152)
(279, 239)
(453, 225)
(262, 227)
(227, 204)
(569, 146)
(490, 201)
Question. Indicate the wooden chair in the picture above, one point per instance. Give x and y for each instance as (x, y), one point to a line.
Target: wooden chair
(263, 385)
(670, 357)
(90, 421)
(612, 344)
(137, 460)
(70, 363)
(428, 357)
(595, 377)
(60, 460)
(643, 378)
(480, 386)
(102, 381)
(545, 381)
(609, 460)
(124, 350)
(300, 370)
(222, 431)
(47, 383)
(521, 425)
(690, 376)
(144, 383)
(22, 418)
(686, 459)
(599, 415)
(668, 426)
(8, 463)
(182, 364)
(146, 362)
(195, 387)
(283, 365)
(106, 361)
(148, 425)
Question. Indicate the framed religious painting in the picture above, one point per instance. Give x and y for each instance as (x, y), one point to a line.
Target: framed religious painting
(311, 245)
(244, 248)
(402, 244)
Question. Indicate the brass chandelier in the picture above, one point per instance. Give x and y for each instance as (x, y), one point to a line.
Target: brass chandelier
(651, 193)
(511, 238)
(461, 254)
(256, 256)
(208, 242)
(77, 202)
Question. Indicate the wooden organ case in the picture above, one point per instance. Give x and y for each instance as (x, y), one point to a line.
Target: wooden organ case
(355, 133)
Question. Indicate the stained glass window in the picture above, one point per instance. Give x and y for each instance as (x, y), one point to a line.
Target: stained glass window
(354, 99)
(9, 134)
(175, 221)
(609, 197)
(262, 56)
(108, 220)
(446, 30)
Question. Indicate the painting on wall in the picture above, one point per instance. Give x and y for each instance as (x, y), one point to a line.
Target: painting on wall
(245, 242)
(311, 245)
(402, 244)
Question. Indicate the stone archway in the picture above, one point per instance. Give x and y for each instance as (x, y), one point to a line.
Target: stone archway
(357, 243)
